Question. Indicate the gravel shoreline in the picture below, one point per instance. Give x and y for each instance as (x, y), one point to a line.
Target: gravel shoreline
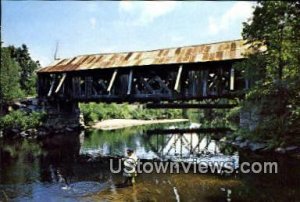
(113, 124)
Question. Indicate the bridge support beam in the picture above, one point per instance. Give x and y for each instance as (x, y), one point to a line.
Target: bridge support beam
(232, 78)
(112, 80)
(61, 82)
(129, 82)
(176, 87)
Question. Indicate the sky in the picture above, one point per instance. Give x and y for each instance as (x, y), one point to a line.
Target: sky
(87, 27)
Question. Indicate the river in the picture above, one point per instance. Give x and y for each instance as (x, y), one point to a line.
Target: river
(70, 168)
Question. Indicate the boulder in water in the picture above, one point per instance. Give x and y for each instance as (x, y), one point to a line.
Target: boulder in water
(238, 139)
(254, 146)
(24, 134)
(280, 150)
(292, 149)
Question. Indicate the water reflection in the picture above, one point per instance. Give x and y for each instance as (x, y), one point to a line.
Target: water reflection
(186, 147)
(58, 162)
(36, 171)
(55, 169)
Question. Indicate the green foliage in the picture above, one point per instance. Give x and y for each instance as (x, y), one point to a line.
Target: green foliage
(93, 112)
(17, 76)
(22, 149)
(27, 67)
(209, 117)
(275, 26)
(9, 78)
(273, 69)
(21, 120)
(234, 114)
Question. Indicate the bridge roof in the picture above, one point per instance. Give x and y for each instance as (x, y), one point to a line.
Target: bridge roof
(228, 50)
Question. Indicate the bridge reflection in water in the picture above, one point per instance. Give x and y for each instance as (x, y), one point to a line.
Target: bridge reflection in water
(185, 147)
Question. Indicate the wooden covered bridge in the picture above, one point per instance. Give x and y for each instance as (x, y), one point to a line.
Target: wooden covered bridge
(170, 75)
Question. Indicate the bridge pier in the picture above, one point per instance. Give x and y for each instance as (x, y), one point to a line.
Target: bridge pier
(63, 116)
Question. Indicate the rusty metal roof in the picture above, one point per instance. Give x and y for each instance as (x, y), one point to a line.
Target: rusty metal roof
(228, 50)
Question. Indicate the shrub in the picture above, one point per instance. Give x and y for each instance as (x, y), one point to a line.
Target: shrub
(234, 114)
(22, 120)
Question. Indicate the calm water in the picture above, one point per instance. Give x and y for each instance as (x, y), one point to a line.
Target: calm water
(69, 168)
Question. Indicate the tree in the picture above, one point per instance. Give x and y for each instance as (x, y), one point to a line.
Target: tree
(274, 65)
(28, 67)
(275, 26)
(9, 78)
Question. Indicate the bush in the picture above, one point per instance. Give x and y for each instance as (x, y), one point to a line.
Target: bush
(22, 120)
(234, 114)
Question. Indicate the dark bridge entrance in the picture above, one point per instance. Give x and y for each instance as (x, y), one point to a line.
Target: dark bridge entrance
(203, 72)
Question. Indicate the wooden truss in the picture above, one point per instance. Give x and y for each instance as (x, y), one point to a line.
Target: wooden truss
(172, 83)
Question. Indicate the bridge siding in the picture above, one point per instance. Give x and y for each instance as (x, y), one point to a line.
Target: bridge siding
(148, 84)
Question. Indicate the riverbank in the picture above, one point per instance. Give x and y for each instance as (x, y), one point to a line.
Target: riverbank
(113, 124)
(261, 147)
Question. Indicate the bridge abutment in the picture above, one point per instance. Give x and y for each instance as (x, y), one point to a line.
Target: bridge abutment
(63, 116)
(249, 118)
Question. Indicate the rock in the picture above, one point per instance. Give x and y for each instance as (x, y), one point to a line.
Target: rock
(15, 130)
(42, 133)
(24, 134)
(243, 145)
(291, 149)
(223, 139)
(238, 139)
(59, 126)
(233, 143)
(257, 146)
(280, 150)
(26, 101)
(31, 131)
(267, 149)
(57, 131)
(73, 126)
(195, 125)
(25, 109)
(69, 129)
(33, 136)
(33, 107)
(17, 105)
(34, 101)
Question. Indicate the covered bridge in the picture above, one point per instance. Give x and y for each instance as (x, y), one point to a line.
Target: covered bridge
(174, 74)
